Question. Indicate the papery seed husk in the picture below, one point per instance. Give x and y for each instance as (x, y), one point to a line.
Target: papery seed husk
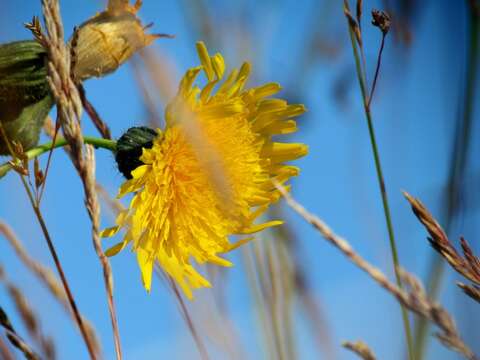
(105, 42)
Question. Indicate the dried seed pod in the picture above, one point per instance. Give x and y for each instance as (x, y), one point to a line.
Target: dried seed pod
(25, 98)
(103, 43)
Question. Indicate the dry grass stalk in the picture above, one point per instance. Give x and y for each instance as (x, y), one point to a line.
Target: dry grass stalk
(414, 298)
(212, 309)
(360, 348)
(44, 274)
(29, 318)
(69, 109)
(467, 265)
(184, 312)
(311, 304)
(275, 279)
(316, 316)
(101, 126)
(48, 278)
(5, 352)
(15, 339)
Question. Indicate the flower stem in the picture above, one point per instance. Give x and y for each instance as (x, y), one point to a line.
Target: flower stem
(386, 208)
(41, 149)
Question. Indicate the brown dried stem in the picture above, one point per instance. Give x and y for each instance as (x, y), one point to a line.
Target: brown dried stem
(69, 110)
(414, 299)
(101, 126)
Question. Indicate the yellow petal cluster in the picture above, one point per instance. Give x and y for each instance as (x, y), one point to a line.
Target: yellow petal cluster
(208, 174)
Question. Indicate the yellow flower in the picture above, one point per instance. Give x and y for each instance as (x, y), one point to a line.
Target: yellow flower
(208, 174)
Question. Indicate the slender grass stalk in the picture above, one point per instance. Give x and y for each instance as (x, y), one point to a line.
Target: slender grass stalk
(436, 268)
(53, 252)
(274, 301)
(41, 149)
(188, 319)
(381, 181)
(254, 272)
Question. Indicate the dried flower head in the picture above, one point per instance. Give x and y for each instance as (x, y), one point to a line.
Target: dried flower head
(208, 175)
(103, 43)
(381, 19)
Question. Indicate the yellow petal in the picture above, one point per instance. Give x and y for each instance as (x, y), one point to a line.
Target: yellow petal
(205, 60)
(239, 243)
(280, 128)
(114, 250)
(256, 228)
(145, 262)
(280, 152)
(109, 232)
(218, 64)
(267, 90)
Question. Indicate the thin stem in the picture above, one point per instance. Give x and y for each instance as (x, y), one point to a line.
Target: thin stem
(41, 149)
(200, 346)
(50, 153)
(63, 279)
(101, 126)
(383, 190)
(53, 252)
(377, 70)
(388, 219)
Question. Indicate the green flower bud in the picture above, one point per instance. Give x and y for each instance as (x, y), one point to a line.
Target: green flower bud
(129, 148)
(25, 97)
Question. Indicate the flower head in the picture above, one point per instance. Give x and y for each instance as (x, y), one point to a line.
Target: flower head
(208, 174)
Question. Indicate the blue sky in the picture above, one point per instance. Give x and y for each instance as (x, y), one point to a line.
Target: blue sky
(415, 110)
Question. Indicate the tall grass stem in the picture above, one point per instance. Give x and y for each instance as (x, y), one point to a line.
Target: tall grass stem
(381, 181)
